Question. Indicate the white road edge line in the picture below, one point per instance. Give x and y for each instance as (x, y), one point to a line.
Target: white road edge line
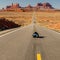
(14, 31)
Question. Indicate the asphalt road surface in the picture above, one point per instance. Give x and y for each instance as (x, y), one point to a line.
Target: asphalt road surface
(20, 45)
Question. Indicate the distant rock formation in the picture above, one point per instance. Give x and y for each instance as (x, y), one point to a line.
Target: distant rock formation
(44, 6)
(39, 5)
(13, 6)
(17, 7)
(47, 6)
(28, 8)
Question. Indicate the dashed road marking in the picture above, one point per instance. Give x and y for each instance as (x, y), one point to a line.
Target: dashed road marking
(38, 56)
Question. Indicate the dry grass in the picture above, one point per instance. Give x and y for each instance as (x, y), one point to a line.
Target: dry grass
(48, 19)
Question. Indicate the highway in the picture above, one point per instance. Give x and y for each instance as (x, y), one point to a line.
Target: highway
(20, 45)
(50, 44)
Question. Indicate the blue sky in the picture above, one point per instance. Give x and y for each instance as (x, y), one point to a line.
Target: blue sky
(4, 3)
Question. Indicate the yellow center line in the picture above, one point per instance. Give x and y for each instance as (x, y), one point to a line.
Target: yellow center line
(38, 56)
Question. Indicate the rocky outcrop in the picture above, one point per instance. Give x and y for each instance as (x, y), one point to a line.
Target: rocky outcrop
(17, 7)
(5, 24)
(28, 8)
(44, 6)
(14, 7)
(47, 5)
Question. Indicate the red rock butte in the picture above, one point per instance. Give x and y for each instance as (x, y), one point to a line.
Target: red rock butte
(37, 7)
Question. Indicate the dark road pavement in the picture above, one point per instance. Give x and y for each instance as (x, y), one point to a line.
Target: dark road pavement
(50, 44)
(20, 45)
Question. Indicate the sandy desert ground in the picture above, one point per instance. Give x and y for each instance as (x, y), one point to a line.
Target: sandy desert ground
(47, 19)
